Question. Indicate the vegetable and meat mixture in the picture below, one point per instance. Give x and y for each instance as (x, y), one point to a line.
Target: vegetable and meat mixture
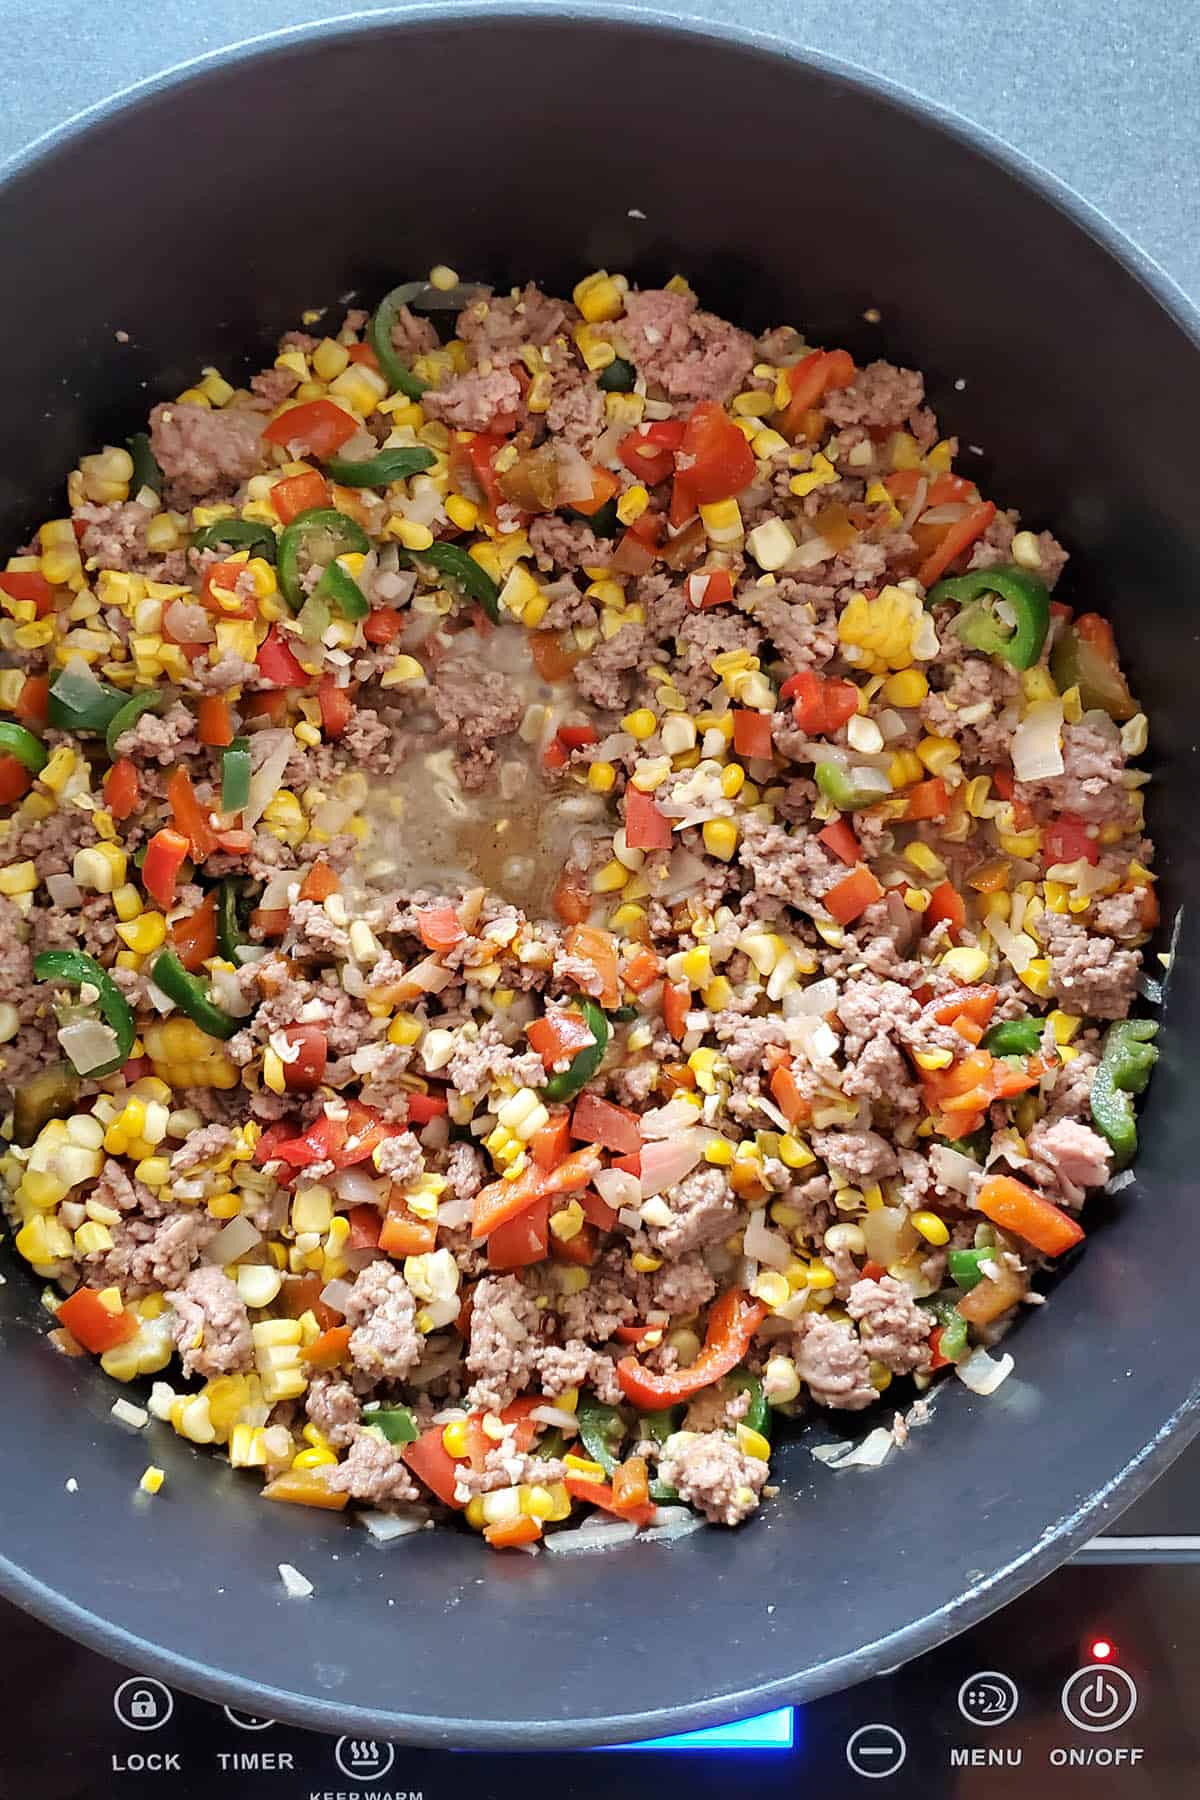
(568, 887)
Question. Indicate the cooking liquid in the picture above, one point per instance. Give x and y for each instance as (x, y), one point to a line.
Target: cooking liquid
(513, 836)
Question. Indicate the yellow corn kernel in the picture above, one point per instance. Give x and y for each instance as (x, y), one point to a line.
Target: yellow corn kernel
(145, 933)
(771, 544)
(456, 1438)
(18, 878)
(580, 1465)
(600, 297)
(908, 687)
(645, 1265)
(568, 1222)
(595, 350)
(820, 1275)
(1064, 1026)
(933, 1059)
(771, 1288)
(633, 503)
(601, 777)
(1037, 685)
(1020, 844)
(906, 452)
(905, 768)
(931, 1228)
(330, 358)
(58, 770)
(966, 964)
(794, 1153)
(879, 1375)
(152, 1479)
(722, 521)
(720, 838)
(821, 474)
(937, 753)
(925, 860)
(719, 1151)
(641, 724)
(752, 1443)
(1036, 976)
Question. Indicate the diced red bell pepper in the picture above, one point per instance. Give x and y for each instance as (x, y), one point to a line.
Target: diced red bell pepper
(642, 970)
(403, 1234)
(190, 818)
(423, 1107)
(839, 838)
(440, 928)
(521, 1241)
(337, 706)
(598, 1212)
(649, 451)
(166, 854)
(218, 592)
(316, 426)
(599, 1121)
(122, 789)
(928, 799)
(572, 897)
(946, 903)
(299, 493)
(320, 882)
(28, 584)
(787, 1096)
(214, 725)
(194, 939)
(591, 944)
(821, 704)
(599, 1493)
(549, 1145)
(646, 828)
(709, 587)
(33, 702)
(331, 1348)
(276, 663)
(733, 1320)
(341, 1141)
(89, 1320)
(1067, 839)
(432, 1463)
(808, 380)
(382, 626)
(15, 780)
(852, 895)
(604, 485)
(365, 1224)
(472, 466)
(1017, 1208)
(957, 538)
(716, 459)
(552, 660)
(304, 1074)
(495, 1204)
(560, 1033)
(677, 1001)
(752, 733)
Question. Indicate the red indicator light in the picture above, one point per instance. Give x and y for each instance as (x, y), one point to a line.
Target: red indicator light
(1102, 1649)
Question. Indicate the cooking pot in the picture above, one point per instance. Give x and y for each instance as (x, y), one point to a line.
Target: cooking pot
(190, 222)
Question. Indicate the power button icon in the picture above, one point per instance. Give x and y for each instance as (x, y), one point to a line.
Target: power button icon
(1099, 1697)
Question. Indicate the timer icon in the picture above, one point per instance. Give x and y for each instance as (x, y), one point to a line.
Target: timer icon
(988, 1698)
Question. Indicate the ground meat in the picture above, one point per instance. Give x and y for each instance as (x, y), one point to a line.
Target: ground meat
(876, 1070)
(703, 1210)
(711, 1473)
(1120, 915)
(607, 1301)
(683, 1286)
(1090, 785)
(785, 865)
(880, 396)
(380, 1068)
(374, 1471)
(862, 1155)
(800, 621)
(369, 741)
(832, 1363)
(476, 705)
(204, 1145)
(212, 1326)
(485, 1058)
(385, 1341)
(976, 683)
(1069, 1156)
(576, 412)
(333, 1407)
(148, 1254)
(506, 1466)
(465, 1171)
(491, 326)
(164, 740)
(203, 452)
(602, 675)
(470, 402)
(400, 1158)
(411, 336)
(565, 543)
(115, 538)
(503, 1348)
(715, 1408)
(576, 1365)
(115, 1187)
(892, 1327)
(705, 636)
(1088, 974)
(691, 355)
(273, 386)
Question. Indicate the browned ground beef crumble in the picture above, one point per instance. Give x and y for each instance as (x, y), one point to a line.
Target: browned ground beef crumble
(786, 1045)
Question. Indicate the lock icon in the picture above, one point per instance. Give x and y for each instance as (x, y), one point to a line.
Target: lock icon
(143, 1704)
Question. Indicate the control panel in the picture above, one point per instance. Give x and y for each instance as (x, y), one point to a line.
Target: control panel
(1082, 1688)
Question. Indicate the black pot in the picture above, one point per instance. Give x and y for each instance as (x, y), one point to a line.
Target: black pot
(200, 217)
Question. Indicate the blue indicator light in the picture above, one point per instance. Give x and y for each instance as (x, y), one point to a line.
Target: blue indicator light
(768, 1731)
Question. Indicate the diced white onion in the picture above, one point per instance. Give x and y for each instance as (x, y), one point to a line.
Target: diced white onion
(129, 1414)
(228, 994)
(871, 1453)
(269, 752)
(88, 1044)
(64, 890)
(1124, 1179)
(590, 1537)
(388, 1528)
(667, 1160)
(953, 1169)
(296, 1586)
(818, 999)
(943, 515)
(453, 1213)
(356, 1187)
(665, 1121)
(617, 1187)
(231, 1242)
(277, 892)
(336, 1294)
(764, 1245)
(574, 473)
(1037, 742)
(672, 1522)
(981, 1373)
(557, 1416)
(189, 623)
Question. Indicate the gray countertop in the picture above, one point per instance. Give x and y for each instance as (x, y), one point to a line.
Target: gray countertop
(1104, 97)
